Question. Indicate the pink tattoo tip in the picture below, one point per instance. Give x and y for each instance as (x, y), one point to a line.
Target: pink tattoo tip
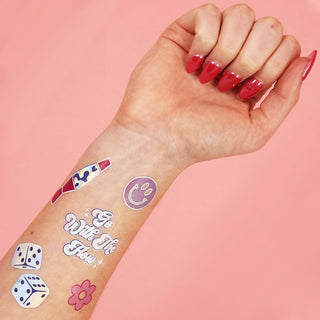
(104, 164)
(312, 58)
(56, 196)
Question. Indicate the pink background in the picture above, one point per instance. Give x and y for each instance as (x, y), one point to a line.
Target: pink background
(235, 238)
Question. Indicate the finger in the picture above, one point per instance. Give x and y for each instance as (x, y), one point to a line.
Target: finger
(288, 50)
(204, 22)
(237, 22)
(264, 38)
(279, 102)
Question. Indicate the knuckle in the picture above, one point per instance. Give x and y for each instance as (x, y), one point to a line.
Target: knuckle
(293, 43)
(272, 23)
(240, 10)
(211, 7)
(244, 9)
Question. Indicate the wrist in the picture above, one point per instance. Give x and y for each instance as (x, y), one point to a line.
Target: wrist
(141, 147)
(133, 154)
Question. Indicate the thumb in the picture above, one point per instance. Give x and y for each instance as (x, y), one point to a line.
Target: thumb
(281, 99)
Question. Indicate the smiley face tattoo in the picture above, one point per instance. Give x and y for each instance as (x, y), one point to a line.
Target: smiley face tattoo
(139, 192)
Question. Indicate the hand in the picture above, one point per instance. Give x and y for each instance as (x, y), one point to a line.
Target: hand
(198, 115)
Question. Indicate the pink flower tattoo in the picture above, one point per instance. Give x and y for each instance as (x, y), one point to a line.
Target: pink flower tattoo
(81, 295)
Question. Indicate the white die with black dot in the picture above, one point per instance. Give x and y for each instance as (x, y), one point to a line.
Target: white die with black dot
(27, 256)
(30, 291)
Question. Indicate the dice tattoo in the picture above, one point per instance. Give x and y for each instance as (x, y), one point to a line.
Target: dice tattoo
(30, 291)
(27, 256)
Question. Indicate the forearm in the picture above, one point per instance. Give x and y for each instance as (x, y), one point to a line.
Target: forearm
(72, 254)
(169, 120)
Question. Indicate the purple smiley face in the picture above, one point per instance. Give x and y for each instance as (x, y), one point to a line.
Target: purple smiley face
(139, 192)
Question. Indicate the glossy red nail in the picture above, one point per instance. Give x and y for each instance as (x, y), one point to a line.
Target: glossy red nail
(312, 58)
(228, 81)
(210, 70)
(251, 87)
(194, 62)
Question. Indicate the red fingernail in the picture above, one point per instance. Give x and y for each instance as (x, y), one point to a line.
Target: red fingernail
(194, 63)
(312, 58)
(251, 87)
(210, 70)
(228, 81)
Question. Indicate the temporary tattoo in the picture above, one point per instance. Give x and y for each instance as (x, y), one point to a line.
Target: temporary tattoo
(86, 214)
(102, 218)
(139, 192)
(27, 256)
(91, 233)
(77, 248)
(81, 178)
(30, 291)
(81, 228)
(81, 294)
(105, 243)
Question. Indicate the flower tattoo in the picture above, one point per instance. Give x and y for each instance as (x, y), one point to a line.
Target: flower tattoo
(81, 295)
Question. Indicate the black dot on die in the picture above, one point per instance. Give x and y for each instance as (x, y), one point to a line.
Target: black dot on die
(39, 250)
(43, 296)
(33, 278)
(20, 254)
(43, 285)
(28, 290)
(37, 278)
(34, 255)
(18, 248)
(28, 304)
(21, 298)
(22, 282)
(31, 248)
(22, 259)
(37, 262)
(29, 260)
(15, 289)
(29, 278)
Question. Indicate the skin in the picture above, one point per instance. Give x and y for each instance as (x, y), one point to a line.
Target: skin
(204, 123)
(167, 121)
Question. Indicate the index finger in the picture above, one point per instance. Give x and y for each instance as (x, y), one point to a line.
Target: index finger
(204, 23)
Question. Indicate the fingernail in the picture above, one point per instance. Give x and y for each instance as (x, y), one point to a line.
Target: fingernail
(251, 87)
(312, 58)
(228, 81)
(210, 70)
(194, 62)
